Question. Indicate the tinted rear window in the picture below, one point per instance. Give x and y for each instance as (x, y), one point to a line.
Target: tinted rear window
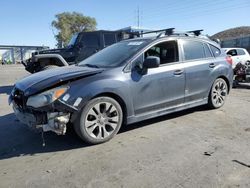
(109, 39)
(90, 40)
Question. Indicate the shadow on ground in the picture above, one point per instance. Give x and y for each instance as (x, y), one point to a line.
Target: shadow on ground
(243, 86)
(17, 140)
(162, 118)
(6, 89)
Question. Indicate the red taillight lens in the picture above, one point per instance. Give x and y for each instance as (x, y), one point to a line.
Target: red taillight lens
(229, 60)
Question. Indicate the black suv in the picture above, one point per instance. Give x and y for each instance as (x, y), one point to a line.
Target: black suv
(81, 46)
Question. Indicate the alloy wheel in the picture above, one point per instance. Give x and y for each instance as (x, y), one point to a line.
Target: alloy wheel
(219, 93)
(101, 120)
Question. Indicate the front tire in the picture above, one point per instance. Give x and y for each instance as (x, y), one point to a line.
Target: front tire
(99, 121)
(218, 94)
(48, 67)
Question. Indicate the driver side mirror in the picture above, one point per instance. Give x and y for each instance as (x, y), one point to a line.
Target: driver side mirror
(151, 62)
(80, 45)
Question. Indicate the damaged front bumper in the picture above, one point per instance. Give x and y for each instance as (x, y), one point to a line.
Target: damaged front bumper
(54, 115)
(43, 121)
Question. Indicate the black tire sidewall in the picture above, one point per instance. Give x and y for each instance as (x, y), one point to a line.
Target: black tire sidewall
(49, 67)
(81, 129)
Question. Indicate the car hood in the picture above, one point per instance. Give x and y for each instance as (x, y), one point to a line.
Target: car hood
(41, 81)
(52, 51)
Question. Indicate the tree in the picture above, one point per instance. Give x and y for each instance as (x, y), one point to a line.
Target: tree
(68, 24)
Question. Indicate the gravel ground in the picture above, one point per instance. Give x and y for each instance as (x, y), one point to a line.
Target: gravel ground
(192, 148)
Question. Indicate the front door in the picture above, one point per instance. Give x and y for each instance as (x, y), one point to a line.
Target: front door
(162, 87)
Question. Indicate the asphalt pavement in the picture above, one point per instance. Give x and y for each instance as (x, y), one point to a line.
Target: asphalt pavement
(193, 148)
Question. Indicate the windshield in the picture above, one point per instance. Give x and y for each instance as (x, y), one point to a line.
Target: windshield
(115, 55)
(73, 40)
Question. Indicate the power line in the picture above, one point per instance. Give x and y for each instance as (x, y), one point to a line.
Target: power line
(138, 17)
(160, 7)
(198, 9)
(186, 7)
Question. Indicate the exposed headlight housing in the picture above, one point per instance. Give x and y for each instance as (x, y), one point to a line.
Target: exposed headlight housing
(46, 97)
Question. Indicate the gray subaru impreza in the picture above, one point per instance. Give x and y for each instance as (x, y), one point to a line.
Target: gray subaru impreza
(127, 82)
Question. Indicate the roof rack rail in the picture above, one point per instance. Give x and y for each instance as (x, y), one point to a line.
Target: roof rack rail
(196, 32)
(168, 31)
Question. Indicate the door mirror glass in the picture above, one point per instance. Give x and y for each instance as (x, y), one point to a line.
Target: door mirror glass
(151, 62)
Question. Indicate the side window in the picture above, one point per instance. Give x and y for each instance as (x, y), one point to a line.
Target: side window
(90, 40)
(166, 51)
(216, 51)
(232, 52)
(193, 50)
(240, 52)
(207, 51)
(109, 39)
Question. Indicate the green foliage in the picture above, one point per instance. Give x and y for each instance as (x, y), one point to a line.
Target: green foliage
(9, 62)
(68, 24)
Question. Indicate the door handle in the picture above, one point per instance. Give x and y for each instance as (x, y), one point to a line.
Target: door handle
(212, 65)
(178, 72)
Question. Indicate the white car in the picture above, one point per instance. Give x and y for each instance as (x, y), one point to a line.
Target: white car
(238, 55)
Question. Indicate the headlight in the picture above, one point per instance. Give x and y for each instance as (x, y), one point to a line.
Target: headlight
(46, 97)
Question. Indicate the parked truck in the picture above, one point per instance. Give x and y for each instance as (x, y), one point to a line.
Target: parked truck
(81, 46)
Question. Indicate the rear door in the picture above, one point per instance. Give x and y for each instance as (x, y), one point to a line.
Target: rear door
(199, 62)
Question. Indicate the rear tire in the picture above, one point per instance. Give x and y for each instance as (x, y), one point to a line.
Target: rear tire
(248, 63)
(218, 94)
(235, 83)
(99, 121)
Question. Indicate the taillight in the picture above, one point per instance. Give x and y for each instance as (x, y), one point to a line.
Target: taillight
(229, 60)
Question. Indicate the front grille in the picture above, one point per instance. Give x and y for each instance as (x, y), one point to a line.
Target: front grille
(19, 98)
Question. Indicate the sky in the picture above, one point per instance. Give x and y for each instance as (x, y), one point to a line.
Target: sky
(28, 22)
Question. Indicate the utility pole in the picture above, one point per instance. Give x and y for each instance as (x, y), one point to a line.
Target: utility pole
(138, 17)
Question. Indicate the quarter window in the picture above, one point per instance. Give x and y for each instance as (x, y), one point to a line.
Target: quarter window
(240, 52)
(193, 50)
(216, 51)
(207, 51)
